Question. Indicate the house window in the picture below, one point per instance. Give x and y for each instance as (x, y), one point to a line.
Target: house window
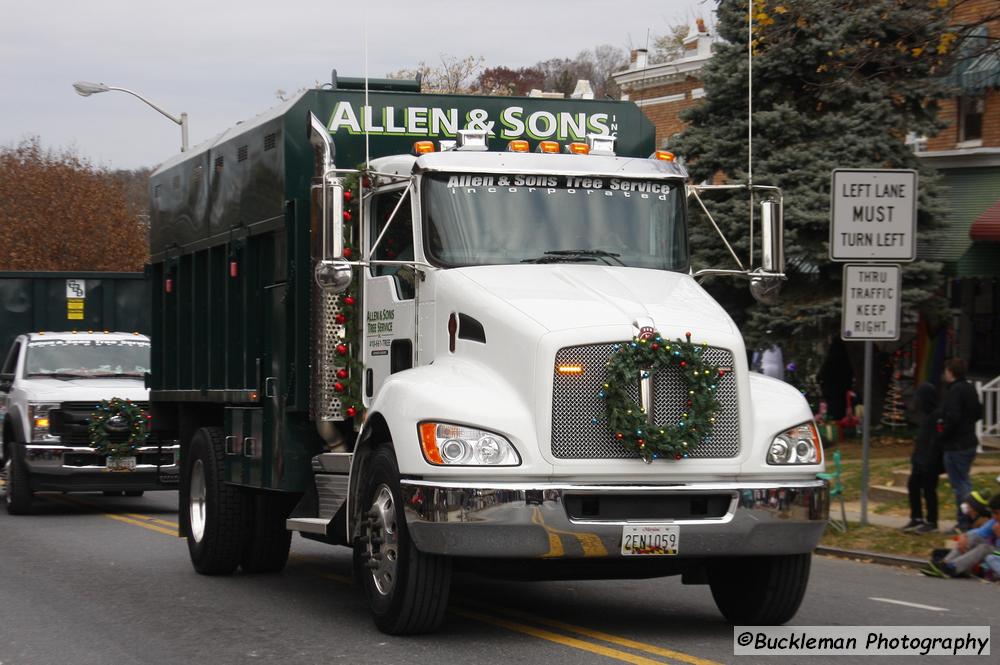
(970, 118)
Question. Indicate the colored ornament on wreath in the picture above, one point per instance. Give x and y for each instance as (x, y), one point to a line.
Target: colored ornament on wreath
(638, 361)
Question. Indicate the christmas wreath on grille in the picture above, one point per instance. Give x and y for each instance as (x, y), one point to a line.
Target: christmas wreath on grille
(117, 416)
(647, 354)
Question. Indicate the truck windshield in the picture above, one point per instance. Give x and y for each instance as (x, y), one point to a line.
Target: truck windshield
(484, 219)
(87, 358)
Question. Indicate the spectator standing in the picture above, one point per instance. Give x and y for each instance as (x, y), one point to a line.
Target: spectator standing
(926, 462)
(957, 432)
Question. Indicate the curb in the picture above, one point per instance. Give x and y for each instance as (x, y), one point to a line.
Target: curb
(874, 557)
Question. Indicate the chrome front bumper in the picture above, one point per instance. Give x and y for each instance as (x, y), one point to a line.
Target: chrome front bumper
(56, 460)
(517, 520)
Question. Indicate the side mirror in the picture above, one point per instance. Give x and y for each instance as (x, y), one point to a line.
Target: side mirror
(772, 234)
(6, 385)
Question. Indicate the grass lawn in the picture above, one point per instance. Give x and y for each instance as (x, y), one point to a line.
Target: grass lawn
(884, 540)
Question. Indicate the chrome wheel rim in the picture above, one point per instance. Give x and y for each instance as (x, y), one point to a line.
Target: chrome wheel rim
(197, 501)
(383, 541)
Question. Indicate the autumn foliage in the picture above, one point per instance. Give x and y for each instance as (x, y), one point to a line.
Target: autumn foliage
(58, 212)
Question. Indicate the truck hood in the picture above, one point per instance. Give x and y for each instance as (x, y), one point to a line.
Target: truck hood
(562, 297)
(82, 390)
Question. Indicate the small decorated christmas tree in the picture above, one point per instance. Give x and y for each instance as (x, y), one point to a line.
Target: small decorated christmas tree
(894, 413)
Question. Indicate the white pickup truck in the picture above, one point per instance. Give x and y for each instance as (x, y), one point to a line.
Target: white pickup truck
(50, 385)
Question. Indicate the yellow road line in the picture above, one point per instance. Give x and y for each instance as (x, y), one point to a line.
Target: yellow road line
(144, 525)
(558, 639)
(590, 542)
(605, 637)
(150, 518)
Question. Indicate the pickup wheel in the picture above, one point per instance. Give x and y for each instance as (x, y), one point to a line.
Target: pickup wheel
(17, 491)
(407, 589)
(759, 591)
(217, 510)
(266, 548)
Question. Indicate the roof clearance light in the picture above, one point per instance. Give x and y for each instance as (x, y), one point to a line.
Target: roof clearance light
(569, 369)
(578, 148)
(423, 147)
(664, 156)
(518, 145)
(601, 145)
(547, 146)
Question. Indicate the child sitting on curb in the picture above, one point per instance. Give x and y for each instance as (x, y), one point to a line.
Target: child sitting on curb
(974, 546)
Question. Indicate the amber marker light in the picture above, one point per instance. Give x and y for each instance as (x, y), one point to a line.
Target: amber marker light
(578, 148)
(518, 145)
(569, 369)
(41, 421)
(423, 147)
(428, 442)
(664, 155)
(548, 146)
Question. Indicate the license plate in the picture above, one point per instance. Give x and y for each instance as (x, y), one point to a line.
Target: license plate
(121, 464)
(639, 540)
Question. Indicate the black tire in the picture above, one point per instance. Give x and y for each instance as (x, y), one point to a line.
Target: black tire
(17, 491)
(759, 591)
(417, 597)
(134, 492)
(112, 492)
(268, 541)
(217, 510)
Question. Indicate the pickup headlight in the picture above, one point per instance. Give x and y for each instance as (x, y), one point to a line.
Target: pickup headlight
(798, 445)
(38, 415)
(445, 444)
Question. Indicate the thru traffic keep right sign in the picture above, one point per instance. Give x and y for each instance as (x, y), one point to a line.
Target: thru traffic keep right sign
(871, 303)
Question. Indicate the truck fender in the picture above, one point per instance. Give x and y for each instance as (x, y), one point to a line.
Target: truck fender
(12, 431)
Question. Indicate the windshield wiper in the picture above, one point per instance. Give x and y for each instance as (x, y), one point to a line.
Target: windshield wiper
(60, 375)
(116, 375)
(586, 253)
(559, 259)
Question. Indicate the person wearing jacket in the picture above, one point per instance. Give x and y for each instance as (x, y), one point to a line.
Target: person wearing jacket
(926, 462)
(957, 432)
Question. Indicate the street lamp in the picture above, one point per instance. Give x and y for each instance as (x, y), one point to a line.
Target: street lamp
(86, 89)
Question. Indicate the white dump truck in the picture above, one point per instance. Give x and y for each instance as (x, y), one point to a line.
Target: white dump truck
(447, 330)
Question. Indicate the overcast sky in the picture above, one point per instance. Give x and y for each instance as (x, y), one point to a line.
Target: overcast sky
(222, 61)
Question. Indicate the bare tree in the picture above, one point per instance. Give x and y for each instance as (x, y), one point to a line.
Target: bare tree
(454, 75)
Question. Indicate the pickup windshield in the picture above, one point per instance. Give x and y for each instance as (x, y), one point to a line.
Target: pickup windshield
(484, 219)
(87, 358)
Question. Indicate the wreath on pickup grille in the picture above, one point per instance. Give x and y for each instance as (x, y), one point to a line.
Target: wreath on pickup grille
(644, 356)
(118, 416)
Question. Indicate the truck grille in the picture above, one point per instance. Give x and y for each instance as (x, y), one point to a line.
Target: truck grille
(575, 404)
(72, 419)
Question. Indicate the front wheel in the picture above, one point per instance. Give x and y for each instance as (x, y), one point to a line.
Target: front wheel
(217, 510)
(407, 590)
(17, 492)
(759, 591)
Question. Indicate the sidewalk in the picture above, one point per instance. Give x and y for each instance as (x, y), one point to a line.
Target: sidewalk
(853, 509)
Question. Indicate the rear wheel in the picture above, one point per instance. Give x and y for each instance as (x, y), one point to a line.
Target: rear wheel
(17, 491)
(759, 591)
(266, 548)
(407, 590)
(217, 510)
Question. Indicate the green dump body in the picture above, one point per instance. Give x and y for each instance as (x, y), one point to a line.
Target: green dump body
(231, 273)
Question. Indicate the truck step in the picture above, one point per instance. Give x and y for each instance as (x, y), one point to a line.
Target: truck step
(307, 524)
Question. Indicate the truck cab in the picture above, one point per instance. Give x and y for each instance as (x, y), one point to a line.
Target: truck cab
(50, 386)
(488, 349)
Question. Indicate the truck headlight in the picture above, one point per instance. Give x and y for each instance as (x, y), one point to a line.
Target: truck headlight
(798, 445)
(38, 415)
(445, 444)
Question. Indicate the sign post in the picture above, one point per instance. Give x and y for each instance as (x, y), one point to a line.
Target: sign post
(873, 218)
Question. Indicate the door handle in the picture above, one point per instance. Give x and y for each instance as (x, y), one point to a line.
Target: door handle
(269, 384)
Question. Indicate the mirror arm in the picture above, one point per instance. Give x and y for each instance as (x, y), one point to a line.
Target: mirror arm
(697, 198)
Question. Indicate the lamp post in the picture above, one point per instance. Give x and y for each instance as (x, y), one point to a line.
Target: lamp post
(86, 89)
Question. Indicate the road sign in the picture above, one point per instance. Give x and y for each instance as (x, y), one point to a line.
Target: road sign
(871, 302)
(873, 215)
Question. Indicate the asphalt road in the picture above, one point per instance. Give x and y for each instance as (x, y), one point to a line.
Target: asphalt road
(92, 580)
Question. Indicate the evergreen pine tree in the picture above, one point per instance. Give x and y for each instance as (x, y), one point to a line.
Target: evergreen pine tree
(836, 84)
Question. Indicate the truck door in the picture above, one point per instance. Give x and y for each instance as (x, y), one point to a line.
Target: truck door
(388, 339)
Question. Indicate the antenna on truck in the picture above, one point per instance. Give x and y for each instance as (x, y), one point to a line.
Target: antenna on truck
(750, 115)
(365, 66)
